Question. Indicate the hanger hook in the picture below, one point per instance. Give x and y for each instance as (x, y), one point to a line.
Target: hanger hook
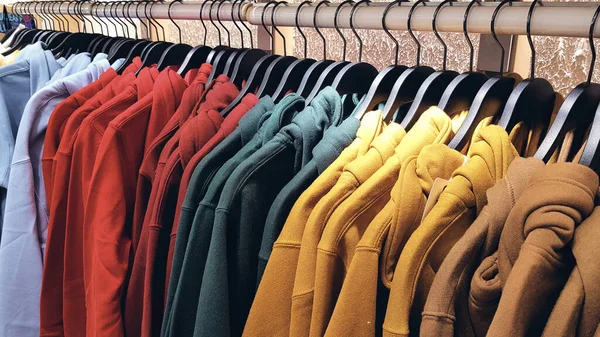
(386, 29)
(150, 21)
(298, 24)
(73, 14)
(493, 29)
(262, 18)
(410, 31)
(79, 11)
(61, 19)
(210, 17)
(465, 23)
(360, 42)
(321, 3)
(529, 39)
(275, 26)
(110, 17)
(53, 16)
(337, 27)
(592, 46)
(235, 21)
(127, 14)
(437, 34)
(173, 21)
(157, 22)
(137, 15)
(221, 23)
(95, 7)
(244, 24)
(121, 21)
(202, 20)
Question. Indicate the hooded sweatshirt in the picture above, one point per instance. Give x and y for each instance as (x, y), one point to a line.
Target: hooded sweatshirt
(490, 155)
(534, 261)
(577, 310)
(377, 252)
(274, 295)
(446, 311)
(349, 221)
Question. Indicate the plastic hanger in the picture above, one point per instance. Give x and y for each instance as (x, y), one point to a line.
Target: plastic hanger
(299, 66)
(248, 58)
(433, 87)
(328, 75)
(233, 59)
(314, 72)
(533, 99)
(286, 70)
(354, 78)
(278, 66)
(222, 55)
(406, 86)
(382, 85)
(176, 53)
(490, 99)
(461, 92)
(578, 112)
(258, 72)
(155, 51)
(199, 54)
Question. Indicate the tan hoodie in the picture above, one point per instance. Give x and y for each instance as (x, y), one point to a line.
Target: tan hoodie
(577, 310)
(490, 155)
(534, 260)
(446, 310)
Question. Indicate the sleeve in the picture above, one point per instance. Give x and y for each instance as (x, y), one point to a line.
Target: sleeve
(107, 215)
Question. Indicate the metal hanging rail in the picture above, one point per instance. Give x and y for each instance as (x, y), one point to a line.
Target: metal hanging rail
(551, 19)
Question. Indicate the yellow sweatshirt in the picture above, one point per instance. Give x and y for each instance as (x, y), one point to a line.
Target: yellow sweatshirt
(270, 312)
(355, 173)
(489, 157)
(377, 251)
(351, 218)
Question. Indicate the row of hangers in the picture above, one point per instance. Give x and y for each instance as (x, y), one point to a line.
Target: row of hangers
(407, 91)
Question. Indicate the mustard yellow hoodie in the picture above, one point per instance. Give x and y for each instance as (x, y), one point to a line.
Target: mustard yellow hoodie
(355, 173)
(360, 307)
(489, 156)
(270, 312)
(351, 218)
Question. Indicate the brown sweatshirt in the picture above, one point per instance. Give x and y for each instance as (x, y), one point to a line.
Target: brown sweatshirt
(446, 310)
(534, 261)
(577, 310)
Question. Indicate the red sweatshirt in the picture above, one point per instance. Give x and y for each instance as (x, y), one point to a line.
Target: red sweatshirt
(147, 286)
(58, 119)
(51, 301)
(146, 177)
(111, 199)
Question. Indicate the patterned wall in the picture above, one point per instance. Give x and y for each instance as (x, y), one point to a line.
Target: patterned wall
(563, 61)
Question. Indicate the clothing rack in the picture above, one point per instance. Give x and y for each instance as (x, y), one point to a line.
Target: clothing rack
(551, 19)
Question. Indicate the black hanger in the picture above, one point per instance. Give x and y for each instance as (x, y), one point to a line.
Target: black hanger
(233, 58)
(139, 47)
(578, 111)
(382, 85)
(248, 60)
(354, 78)
(219, 56)
(155, 51)
(312, 76)
(406, 86)
(490, 99)
(460, 93)
(175, 54)
(261, 70)
(283, 71)
(328, 75)
(295, 73)
(199, 54)
(277, 68)
(433, 87)
(123, 49)
(533, 99)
